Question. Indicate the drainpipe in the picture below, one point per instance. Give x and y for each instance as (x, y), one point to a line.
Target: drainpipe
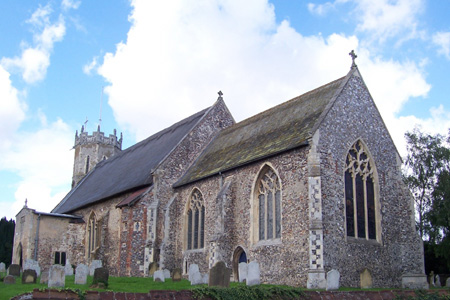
(36, 240)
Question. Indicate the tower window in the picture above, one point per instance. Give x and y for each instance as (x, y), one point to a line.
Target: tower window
(87, 164)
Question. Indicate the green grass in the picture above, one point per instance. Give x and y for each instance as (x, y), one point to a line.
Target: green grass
(117, 284)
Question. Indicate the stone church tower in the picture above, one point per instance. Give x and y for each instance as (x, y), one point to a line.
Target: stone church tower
(92, 149)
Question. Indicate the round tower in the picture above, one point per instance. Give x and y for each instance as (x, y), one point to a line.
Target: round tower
(91, 149)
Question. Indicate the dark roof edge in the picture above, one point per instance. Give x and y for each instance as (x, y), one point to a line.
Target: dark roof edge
(205, 113)
(57, 215)
(111, 196)
(137, 198)
(302, 144)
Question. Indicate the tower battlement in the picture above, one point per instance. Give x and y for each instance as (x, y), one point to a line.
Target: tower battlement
(97, 137)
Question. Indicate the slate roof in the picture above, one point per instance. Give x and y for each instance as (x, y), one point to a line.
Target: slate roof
(129, 170)
(281, 128)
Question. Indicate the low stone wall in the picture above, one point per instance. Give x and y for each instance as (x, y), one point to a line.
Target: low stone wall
(187, 295)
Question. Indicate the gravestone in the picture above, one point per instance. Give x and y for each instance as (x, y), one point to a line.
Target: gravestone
(152, 268)
(31, 264)
(253, 274)
(431, 278)
(366, 279)
(56, 276)
(29, 276)
(205, 278)
(81, 273)
(176, 274)
(437, 281)
(2, 267)
(95, 264)
(14, 270)
(333, 277)
(9, 279)
(68, 269)
(192, 270)
(219, 275)
(447, 283)
(166, 273)
(101, 275)
(196, 278)
(158, 276)
(242, 269)
(44, 277)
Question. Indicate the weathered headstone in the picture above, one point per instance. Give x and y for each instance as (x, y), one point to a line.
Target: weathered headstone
(431, 278)
(219, 275)
(242, 269)
(333, 277)
(14, 270)
(56, 276)
(205, 278)
(101, 275)
(9, 279)
(166, 273)
(68, 269)
(31, 264)
(29, 276)
(2, 267)
(192, 270)
(81, 273)
(196, 278)
(158, 276)
(152, 268)
(95, 264)
(447, 283)
(366, 279)
(44, 277)
(437, 281)
(253, 274)
(176, 274)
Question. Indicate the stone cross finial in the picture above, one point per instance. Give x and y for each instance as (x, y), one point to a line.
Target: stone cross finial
(26, 202)
(220, 94)
(354, 56)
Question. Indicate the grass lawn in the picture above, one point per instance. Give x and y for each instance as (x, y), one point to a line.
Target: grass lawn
(117, 284)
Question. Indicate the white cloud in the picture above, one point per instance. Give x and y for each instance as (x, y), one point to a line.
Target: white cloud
(88, 68)
(442, 40)
(34, 61)
(320, 9)
(70, 4)
(43, 161)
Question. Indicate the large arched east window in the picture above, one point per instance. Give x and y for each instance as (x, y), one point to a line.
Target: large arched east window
(268, 205)
(360, 180)
(195, 221)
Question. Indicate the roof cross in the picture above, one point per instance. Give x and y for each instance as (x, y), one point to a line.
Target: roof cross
(354, 56)
(220, 94)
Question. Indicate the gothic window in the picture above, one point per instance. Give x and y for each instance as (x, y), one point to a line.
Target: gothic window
(87, 164)
(268, 205)
(93, 235)
(195, 221)
(60, 258)
(360, 181)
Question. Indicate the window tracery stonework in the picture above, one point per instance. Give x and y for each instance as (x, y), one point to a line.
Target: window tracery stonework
(360, 193)
(268, 195)
(196, 221)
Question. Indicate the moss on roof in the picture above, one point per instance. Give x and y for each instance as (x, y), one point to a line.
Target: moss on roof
(281, 128)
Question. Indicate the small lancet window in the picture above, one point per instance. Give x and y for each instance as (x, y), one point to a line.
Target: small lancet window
(268, 198)
(87, 164)
(196, 221)
(93, 235)
(360, 193)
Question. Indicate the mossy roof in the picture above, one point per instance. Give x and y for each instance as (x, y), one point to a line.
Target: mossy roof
(279, 129)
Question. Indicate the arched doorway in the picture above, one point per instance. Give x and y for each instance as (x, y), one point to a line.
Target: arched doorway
(238, 257)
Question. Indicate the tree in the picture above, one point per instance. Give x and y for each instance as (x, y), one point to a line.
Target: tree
(6, 240)
(427, 158)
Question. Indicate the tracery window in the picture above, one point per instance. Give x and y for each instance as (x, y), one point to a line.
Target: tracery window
(360, 193)
(268, 203)
(196, 221)
(93, 235)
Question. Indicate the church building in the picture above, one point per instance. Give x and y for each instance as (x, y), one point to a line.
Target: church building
(310, 185)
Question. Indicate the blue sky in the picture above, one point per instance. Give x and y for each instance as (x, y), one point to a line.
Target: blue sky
(160, 62)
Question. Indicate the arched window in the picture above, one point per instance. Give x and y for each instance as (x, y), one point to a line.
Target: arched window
(87, 164)
(360, 196)
(268, 205)
(195, 221)
(93, 235)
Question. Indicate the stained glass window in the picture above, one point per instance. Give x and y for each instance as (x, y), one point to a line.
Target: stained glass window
(196, 221)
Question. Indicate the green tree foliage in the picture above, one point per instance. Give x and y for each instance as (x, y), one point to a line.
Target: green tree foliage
(427, 158)
(6, 240)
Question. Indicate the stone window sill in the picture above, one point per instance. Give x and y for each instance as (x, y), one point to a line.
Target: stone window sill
(352, 240)
(264, 243)
(200, 250)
